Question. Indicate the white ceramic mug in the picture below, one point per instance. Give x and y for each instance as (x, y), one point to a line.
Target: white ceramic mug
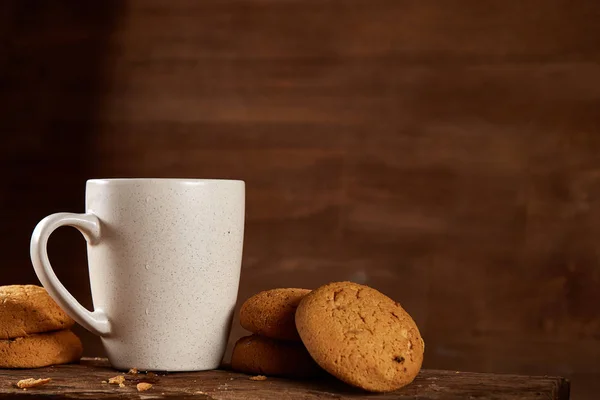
(164, 259)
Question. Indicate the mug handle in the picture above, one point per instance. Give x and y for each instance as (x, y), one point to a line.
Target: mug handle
(89, 226)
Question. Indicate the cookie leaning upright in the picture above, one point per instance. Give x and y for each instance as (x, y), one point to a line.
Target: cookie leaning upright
(28, 309)
(361, 336)
(271, 313)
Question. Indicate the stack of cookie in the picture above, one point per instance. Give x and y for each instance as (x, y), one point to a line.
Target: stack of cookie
(352, 331)
(34, 330)
(275, 347)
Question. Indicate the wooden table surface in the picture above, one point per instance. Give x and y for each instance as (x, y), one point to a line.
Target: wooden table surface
(84, 381)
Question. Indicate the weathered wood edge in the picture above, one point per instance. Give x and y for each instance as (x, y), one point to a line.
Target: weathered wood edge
(557, 388)
(564, 388)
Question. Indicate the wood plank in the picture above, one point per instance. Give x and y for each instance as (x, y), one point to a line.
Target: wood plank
(85, 381)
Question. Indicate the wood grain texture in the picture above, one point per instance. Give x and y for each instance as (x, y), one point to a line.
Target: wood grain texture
(444, 152)
(84, 381)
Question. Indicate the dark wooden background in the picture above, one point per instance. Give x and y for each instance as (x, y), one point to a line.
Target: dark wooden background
(445, 152)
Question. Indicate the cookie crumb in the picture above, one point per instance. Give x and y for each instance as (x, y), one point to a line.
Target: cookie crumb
(104, 382)
(200, 392)
(133, 371)
(143, 386)
(32, 382)
(117, 380)
(258, 378)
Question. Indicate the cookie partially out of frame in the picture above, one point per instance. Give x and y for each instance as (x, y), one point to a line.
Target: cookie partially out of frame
(40, 350)
(271, 313)
(28, 309)
(260, 355)
(361, 336)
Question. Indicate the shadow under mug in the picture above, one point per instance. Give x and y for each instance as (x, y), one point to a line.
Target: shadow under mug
(164, 261)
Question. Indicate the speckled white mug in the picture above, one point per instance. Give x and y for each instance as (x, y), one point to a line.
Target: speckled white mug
(164, 260)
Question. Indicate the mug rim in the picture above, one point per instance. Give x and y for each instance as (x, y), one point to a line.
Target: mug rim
(105, 181)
